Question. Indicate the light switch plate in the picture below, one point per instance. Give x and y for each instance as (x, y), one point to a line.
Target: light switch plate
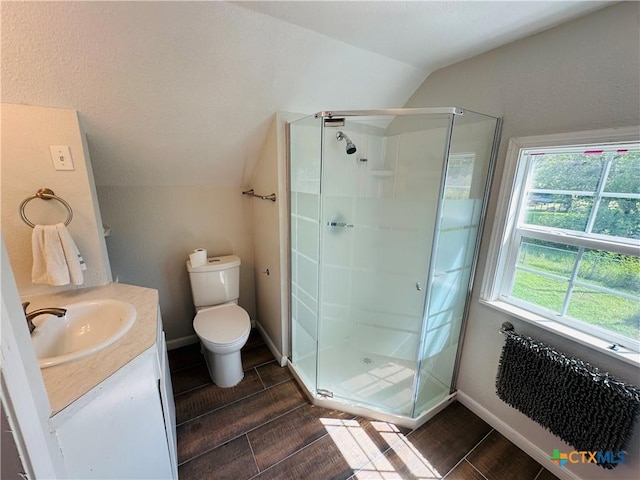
(61, 156)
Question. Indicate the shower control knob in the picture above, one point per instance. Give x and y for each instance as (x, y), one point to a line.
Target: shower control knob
(418, 286)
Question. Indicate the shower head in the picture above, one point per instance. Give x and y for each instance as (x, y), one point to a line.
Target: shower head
(351, 148)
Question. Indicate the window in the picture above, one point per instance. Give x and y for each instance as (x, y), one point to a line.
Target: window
(569, 249)
(459, 175)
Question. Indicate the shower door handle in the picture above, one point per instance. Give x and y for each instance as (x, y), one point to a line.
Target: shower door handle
(340, 224)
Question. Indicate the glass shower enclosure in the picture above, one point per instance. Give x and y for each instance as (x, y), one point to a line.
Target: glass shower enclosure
(386, 209)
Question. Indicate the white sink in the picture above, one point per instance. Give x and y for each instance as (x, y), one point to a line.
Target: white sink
(87, 328)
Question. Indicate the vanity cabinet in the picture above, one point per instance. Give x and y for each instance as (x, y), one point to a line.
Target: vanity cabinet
(125, 426)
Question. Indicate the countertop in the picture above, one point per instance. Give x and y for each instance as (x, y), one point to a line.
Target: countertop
(68, 382)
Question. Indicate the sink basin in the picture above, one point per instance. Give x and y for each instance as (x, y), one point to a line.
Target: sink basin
(87, 328)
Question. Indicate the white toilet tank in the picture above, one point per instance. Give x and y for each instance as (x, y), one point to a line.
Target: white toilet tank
(216, 282)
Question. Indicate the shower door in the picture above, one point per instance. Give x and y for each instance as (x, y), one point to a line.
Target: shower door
(376, 226)
(458, 226)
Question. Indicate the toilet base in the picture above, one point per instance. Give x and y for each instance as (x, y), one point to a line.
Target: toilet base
(224, 369)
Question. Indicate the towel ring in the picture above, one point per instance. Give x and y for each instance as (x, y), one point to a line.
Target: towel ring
(45, 194)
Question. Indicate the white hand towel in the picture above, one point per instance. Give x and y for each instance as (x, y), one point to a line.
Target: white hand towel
(49, 264)
(56, 260)
(75, 262)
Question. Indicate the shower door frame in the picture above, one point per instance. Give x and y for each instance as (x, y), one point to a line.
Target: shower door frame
(391, 112)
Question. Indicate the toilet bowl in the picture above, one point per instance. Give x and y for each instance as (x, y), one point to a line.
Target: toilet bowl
(223, 330)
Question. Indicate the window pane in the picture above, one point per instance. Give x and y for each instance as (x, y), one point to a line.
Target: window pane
(624, 176)
(547, 257)
(537, 258)
(570, 212)
(567, 171)
(539, 290)
(616, 314)
(619, 217)
(612, 271)
(619, 273)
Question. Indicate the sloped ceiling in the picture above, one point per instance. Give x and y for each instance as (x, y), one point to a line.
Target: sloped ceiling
(426, 34)
(181, 93)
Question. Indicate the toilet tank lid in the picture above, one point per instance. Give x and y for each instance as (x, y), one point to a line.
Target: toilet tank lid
(215, 263)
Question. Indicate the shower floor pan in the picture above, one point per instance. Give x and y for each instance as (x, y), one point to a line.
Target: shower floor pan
(371, 385)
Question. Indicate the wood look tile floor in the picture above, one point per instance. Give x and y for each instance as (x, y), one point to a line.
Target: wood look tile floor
(264, 428)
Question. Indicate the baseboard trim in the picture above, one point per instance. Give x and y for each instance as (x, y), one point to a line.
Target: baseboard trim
(276, 353)
(182, 342)
(516, 438)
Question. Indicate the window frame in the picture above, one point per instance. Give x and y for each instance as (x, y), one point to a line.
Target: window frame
(506, 234)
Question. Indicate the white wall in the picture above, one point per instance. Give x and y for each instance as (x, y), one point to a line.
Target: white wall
(27, 133)
(153, 230)
(270, 246)
(194, 111)
(181, 93)
(581, 75)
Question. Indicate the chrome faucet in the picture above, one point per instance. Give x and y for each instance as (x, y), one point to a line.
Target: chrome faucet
(58, 312)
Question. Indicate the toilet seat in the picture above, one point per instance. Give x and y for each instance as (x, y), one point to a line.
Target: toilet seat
(222, 325)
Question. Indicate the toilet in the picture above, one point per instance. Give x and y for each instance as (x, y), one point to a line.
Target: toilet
(221, 324)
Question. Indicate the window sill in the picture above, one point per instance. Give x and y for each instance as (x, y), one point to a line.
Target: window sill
(597, 344)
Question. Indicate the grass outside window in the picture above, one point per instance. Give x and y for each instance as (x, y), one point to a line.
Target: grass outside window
(620, 273)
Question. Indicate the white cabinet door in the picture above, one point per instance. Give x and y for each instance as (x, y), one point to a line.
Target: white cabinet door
(120, 434)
